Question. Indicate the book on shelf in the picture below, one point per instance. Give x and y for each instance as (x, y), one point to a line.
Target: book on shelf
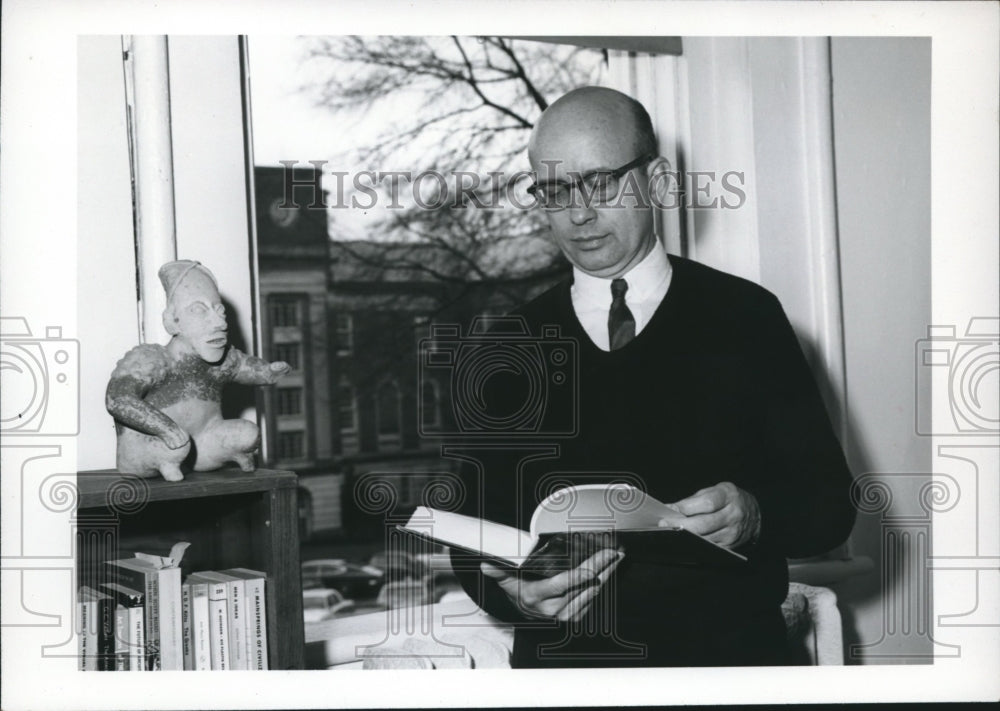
(159, 579)
(570, 525)
(255, 615)
(132, 603)
(186, 627)
(121, 638)
(95, 611)
(198, 655)
(218, 617)
(236, 622)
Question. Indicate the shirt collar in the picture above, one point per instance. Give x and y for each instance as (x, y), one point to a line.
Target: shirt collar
(643, 279)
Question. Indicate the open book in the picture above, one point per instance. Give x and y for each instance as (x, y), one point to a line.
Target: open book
(570, 525)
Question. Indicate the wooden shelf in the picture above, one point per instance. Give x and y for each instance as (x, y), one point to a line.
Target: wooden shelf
(94, 488)
(231, 518)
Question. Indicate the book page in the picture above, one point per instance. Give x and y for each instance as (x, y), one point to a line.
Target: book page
(487, 537)
(599, 507)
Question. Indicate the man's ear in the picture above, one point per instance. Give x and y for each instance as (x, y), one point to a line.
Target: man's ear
(662, 182)
(169, 320)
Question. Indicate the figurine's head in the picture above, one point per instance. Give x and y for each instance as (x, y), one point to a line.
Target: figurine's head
(195, 314)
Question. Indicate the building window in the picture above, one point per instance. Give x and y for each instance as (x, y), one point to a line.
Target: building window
(389, 413)
(291, 445)
(286, 312)
(430, 404)
(289, 401)
(347, 416)
(291, 353)
(344, 326)
(421, 330)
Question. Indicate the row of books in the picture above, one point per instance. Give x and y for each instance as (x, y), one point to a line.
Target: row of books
(146, 619)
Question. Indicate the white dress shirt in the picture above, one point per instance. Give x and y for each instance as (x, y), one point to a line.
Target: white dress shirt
(648, 282)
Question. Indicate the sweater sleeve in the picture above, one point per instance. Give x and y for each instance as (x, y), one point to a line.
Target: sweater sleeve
(804, 497)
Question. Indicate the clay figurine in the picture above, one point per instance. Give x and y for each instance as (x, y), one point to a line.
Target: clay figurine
(166, 400)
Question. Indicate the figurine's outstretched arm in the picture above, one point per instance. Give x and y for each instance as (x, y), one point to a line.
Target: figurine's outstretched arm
(251, 370)
(140, 369)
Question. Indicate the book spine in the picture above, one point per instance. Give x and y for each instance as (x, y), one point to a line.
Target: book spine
(121, 638)
(149, 584)
(105, 633)
(171, 645)
(88, 638)
(257, 622)
(201, 627)
(237, 625)
(219, 631)
(187, 625)
(136, 639)
(124, 596)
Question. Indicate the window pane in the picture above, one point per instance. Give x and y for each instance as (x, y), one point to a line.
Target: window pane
(289, 401)
(344, 324)
(430, 404)
(388, 409)
(349, 291)
(290, 353)
(291, 445)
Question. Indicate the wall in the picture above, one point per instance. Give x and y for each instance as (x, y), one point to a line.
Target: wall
(882, 129)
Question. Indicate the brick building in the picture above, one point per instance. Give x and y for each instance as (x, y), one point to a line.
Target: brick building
(349, 316)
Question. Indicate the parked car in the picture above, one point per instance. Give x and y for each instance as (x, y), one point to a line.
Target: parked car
(320, 604)
(399, 565)
(350, 608)
(354, 582)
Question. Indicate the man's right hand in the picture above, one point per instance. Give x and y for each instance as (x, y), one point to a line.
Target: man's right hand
(565, 596)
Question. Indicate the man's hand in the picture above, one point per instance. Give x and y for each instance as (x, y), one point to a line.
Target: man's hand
(565, 596)
(724, 514)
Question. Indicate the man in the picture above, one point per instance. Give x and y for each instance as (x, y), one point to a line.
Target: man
(691, 380)
(166, 400)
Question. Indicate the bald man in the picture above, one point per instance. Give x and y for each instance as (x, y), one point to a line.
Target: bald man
(167, 400)
(691, 380)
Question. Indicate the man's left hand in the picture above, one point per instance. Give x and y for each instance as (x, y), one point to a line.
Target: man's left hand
(724, 514)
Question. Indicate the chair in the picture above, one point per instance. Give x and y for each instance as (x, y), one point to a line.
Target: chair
(813, 623)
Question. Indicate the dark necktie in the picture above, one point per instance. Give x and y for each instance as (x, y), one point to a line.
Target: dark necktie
(621, 323)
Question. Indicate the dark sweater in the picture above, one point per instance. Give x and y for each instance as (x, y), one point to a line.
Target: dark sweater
(715, 388)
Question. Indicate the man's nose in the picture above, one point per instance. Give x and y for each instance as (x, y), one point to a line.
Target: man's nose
(580, 213)
(219, 317)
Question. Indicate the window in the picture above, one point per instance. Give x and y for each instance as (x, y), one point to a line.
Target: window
(421, 330)
(347, 416)
(430, 404)
(291, 353)
(289, 401)
(388, 407)
(291, 445)
(344, 325)
(285, 312)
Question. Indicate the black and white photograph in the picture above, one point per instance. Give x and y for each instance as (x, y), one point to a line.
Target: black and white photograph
(654, 345)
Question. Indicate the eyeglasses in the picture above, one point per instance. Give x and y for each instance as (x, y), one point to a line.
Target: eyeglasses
(599, 186)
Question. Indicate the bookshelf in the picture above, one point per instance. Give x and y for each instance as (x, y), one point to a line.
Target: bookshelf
(231, 518)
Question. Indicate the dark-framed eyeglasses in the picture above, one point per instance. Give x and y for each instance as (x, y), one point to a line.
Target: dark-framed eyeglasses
(596, 187)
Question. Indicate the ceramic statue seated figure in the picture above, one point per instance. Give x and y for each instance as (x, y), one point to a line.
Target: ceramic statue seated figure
(167, 400)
